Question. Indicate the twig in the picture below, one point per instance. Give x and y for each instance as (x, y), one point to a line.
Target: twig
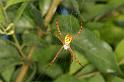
(25, 66)
(18, 46)
(51, 11)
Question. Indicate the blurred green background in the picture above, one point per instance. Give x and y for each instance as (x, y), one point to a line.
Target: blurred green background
(29, 40)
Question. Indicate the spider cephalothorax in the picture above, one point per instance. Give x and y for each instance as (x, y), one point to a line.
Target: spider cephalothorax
(66, 43)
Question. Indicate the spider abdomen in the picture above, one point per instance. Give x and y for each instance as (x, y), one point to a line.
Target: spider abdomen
(68, 39)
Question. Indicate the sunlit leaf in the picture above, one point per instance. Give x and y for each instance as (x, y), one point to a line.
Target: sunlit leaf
(9, 56)
(44, 6)
(7, 74)
(120, 51)
(2, 16)
(12, 2)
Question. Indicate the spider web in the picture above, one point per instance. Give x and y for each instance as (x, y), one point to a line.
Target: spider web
(68, 24)
(59, 67)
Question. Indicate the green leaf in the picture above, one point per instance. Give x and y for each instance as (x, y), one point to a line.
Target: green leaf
(97, 52)
(46, 54)
(72, 5)
(44, 6)
(24, 23)
(116, 79)
(97, 11)
(67, 24)
(94, 11)
(119, 21)
(36, 15)
(75, 6)
(120, 51)
(1, 80)
(67, 3)
(53, 71)
(74, 65)
(9, 56)
(86, 70)
(96, 78)
(7, 74)
(2, 16)
(15, 74)
(30, 38)
(68, 78)
(116, 3)
(20, 11)
(13, 2)
(114, 33)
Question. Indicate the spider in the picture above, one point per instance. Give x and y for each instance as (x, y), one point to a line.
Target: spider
(66, 43)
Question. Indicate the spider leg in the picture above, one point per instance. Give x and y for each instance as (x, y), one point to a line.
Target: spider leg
(56, 56)
(57, 26)
(78, 33)
(59, 34)
(74, 56)
(81, 28)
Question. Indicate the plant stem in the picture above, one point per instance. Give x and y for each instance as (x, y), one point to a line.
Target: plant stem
(51, 11)
(25, 66)
(18, 46)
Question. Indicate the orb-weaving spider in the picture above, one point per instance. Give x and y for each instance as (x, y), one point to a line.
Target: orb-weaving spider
(66, 43)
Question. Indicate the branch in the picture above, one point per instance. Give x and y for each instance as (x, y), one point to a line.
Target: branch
(25, 66)
(51, 11)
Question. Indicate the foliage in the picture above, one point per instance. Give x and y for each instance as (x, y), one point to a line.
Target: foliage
(29, 40)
